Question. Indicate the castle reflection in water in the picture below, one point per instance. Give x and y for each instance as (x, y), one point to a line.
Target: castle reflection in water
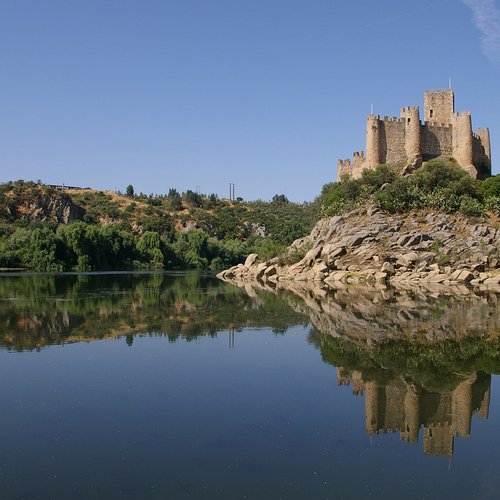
(421, 360)
(402, 407)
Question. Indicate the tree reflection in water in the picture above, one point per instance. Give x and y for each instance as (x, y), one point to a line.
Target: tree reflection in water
(422, 360)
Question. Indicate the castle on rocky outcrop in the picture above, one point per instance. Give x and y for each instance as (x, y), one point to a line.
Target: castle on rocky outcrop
(405, 143)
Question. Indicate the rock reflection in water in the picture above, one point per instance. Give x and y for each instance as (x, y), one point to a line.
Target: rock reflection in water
(422, 359)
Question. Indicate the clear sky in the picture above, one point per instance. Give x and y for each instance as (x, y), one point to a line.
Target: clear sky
(266, 94)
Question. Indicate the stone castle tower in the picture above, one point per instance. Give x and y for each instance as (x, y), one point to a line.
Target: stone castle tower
(405, 142)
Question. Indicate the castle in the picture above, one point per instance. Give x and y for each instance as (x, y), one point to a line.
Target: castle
(405, 143)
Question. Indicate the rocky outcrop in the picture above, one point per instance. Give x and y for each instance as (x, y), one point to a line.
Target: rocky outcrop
(368, 245)
(56, 207)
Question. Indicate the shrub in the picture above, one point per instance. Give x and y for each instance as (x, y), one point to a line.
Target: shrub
(439, 184)
(493, 205)
(471, 207)
(490, 187)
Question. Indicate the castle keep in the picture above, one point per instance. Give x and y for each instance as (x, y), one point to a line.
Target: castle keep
(406, 142)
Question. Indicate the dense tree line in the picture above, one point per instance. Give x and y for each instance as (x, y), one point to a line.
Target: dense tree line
(136, 231)
(88, 247)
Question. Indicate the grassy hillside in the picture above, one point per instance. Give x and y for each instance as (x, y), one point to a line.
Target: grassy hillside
(46, 229)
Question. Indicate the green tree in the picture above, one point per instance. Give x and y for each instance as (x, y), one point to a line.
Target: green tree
(280, 199)
(175, 199)
(150, 249)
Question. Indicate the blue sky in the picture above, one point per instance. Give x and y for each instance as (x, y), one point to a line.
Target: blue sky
(266, 94)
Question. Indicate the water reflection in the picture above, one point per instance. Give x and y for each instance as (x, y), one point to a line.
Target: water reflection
(41, 310)
(401, 406)
(422, 360)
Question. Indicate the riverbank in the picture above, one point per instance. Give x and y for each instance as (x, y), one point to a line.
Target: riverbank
(370, 246)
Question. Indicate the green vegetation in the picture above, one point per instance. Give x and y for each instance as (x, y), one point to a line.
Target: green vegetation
(438, 367)
(440, 184)
(196, 231)
(111, 231)
(40, 309)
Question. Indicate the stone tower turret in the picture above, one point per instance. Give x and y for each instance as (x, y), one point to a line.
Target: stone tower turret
(413, 148)
(484, 137)
(462, 142)
(484, 161)
(439, 106)
(372, 141)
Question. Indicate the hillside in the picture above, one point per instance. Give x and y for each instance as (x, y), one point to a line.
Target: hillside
(47, 229)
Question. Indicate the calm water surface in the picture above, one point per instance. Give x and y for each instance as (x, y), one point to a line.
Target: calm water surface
(181, 386)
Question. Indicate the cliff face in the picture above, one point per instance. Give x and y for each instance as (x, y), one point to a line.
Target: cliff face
(57, 208)
(42, 207)
(368, 245)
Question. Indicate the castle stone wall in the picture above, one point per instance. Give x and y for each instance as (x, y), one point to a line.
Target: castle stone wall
(392, 141)
(436, 141)
(352, 168)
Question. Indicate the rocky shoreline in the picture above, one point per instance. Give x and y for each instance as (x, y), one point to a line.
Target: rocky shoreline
(369, 246)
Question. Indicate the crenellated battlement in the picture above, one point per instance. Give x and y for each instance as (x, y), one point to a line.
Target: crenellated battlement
(433, 125)
(408, 109)
(405, 142)
(439, 91)
(392, 119)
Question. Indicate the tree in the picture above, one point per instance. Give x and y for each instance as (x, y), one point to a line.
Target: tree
(280, 199)
(175, 199)
(192, 198)
(150, 248)
(130, 191)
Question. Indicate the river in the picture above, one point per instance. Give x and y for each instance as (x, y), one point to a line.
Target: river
(177, 385)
